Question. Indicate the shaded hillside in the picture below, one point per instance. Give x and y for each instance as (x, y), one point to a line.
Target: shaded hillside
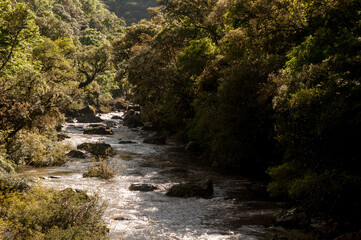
(131, 10)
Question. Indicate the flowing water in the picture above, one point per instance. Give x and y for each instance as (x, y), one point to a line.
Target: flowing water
(239, 208)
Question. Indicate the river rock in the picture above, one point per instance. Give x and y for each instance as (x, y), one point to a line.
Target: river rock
(96, 125)
(89, 119)
(76, 154)
(291, 218)
(101, 130)
(111, 124)
(155, 140)
(126, 142)
(142, 187)
(97, 149)
(117, 117)
(192, 189)
(132, 120)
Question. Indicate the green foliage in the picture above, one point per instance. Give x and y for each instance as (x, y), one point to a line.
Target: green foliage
(317, 114)
(38, 150)
(91, 36)
(257, 84)
(131, 10)
(47, 214)
(17, 30)
(195, 57)
(10, 182)
(100, 169)
(93, 61)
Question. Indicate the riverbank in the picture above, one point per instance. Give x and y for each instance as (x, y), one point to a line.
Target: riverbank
(238, 209)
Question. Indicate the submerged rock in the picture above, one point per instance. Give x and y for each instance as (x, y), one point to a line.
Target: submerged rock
(142, 187)
(191, 189)
(97, 149)
(101, 130)
(126, 142)
(155, 140)
(76, 154)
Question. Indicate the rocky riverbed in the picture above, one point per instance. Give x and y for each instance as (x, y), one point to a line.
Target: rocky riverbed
(238, 207)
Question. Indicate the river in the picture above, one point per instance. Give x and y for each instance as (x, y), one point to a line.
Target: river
(239, 208)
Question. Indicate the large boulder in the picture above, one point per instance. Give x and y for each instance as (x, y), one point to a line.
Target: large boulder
(97, 149)
(89, 119)
(155, 140)
(142, 187)
(76, 154)
(126, 141)
(132, 120)
(111, 124)
(117, 117)
(192, 189)
(101, 130)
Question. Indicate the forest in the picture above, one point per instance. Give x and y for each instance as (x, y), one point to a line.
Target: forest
(264, 88)
(131, 11)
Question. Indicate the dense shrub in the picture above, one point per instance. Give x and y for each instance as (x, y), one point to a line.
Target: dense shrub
(37, 150)
(100, 169)
(40, 213)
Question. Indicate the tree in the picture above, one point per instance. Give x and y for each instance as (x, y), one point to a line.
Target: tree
(16, 29)
(92, 61)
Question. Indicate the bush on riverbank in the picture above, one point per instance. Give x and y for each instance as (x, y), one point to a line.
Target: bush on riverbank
(39, 213)
(100, 169)
(38, 150)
